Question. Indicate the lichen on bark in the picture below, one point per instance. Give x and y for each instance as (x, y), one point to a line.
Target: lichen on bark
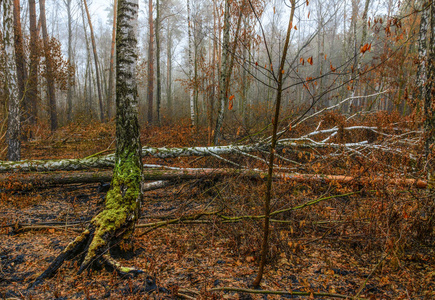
(116, 222)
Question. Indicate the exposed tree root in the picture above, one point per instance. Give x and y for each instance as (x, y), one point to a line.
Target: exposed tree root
(92, 248)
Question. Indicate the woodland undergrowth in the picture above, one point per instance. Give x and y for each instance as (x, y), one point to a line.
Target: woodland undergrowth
(369, 239)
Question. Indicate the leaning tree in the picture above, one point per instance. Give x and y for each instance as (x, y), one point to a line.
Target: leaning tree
(113, 226)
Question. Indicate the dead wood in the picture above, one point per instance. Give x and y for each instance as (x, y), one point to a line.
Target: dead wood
(40, 180)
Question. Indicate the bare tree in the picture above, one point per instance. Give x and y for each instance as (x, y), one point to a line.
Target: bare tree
(20, 61)
(150, 94)
(275, 121)
(49, 67)
(70, 59)
(34, 62)
(97, 72)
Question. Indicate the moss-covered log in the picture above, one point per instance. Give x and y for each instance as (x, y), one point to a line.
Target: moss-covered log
(113, 226)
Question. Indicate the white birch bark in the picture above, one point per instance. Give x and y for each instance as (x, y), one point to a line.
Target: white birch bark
(14, 123)
(223, 74)
(190, 46)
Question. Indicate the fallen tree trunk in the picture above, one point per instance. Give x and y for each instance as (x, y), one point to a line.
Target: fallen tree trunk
(108, 161)
(23, 181)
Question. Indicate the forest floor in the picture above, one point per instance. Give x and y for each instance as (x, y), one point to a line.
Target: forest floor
(371, 242)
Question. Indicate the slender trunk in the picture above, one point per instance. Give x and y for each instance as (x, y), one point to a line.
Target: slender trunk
(169, 71)
(245, 83)
(422, 52)
(97, 72)
(190, 46)
(88, 81)
(275, 121)
(196, 83)
(214, 66)
(112, 63)
(223, 74)
(150, 63)
(20, 61)
(14, 122)
(70, 59)
(227, 67)
(159, 85)
(49, 71)
(34, 63)
(357, 54)
(429, 123)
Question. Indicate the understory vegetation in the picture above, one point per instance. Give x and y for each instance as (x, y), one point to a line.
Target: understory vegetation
(368, 237)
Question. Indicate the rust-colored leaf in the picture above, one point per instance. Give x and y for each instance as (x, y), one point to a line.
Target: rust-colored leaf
(332, 68)
(310, 60)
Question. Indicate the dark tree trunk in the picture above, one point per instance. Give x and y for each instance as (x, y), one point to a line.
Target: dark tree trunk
(275, 121)
(70, 76)
(159, 84)
(49, 66)
(97, 71)
(20, 61)
(169, 71)
(32, 86)
(112, 63)
(150, 63)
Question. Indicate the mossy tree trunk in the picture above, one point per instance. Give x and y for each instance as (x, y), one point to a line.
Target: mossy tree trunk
(115, 224)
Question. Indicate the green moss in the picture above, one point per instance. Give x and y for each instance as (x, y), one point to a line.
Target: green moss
(125, 269)
(122, 200)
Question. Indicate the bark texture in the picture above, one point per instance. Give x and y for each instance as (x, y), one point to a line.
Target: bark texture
(223, 75)
(112, 63)
(190, 47)
(34, 62)
(14, 122)
(42, 180)
(429, 96)
(112, 227)
(20, 60)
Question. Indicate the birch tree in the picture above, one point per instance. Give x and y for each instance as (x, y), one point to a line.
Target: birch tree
(112, 227)
(14, 123)
(429, 93)
(223, 74)
(190, 56)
